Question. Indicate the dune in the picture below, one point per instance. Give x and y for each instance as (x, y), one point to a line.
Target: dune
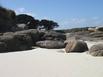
(42, 62)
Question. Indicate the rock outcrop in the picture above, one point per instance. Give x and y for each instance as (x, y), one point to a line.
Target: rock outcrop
(76, 46)
(51, 44)
(33, 33)
(96, 50)
(2, 47)
(52, 35)
(18, 41)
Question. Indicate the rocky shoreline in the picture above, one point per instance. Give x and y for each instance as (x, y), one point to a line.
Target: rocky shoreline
(26, 39)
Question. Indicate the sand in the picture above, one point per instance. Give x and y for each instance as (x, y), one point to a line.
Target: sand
(41, 62)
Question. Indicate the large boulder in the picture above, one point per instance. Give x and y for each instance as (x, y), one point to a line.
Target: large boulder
(52, 35)
(2, 46)
(50, 44)
(9, 41)
(16, 42)
(96, 50)
(33, 33)
(76, 46)
(23, 41)
(20, 40)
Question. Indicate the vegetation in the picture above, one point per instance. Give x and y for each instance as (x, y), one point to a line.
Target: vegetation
(30, 22)
(7, 19)
(33, 23)
(48, 24)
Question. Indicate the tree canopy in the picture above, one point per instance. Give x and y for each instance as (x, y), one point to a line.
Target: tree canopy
(48, 24)
(24, 18)
(33, 23)
(7, 19)
(30, 21)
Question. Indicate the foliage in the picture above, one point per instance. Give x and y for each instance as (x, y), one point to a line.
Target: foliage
(7, 19)
(30, 22)
(48, 24)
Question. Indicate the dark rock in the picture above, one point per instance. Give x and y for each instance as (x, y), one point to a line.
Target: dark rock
(52, 35)
(50, 44)
(31, 32)
(2, 46)
(23, 41)
(9, 41)
(41, 34)
(96, 50)
(76, 46)
(16, 42)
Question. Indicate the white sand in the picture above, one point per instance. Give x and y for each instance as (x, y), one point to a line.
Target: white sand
(50, 63)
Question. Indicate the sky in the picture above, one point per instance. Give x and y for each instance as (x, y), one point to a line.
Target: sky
(68, 13)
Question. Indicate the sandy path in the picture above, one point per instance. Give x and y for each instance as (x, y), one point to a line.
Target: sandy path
(50, 63)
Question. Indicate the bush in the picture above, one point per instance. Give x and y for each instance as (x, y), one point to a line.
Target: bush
(7, 19)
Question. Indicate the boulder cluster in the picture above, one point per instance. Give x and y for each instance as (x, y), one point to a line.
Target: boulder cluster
(76, 46)
(17, 41)
(26, 39)
(96, 50)
(52, 40)
(75, 42)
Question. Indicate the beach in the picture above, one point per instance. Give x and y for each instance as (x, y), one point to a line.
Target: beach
(41, 62)
(51, 38)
